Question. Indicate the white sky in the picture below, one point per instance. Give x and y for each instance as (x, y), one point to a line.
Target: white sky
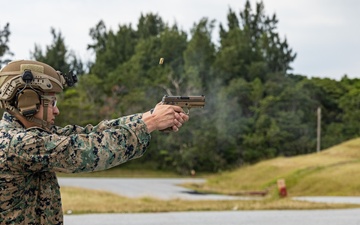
(323, 33)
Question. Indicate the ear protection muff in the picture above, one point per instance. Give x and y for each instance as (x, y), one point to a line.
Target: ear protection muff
(28, 102)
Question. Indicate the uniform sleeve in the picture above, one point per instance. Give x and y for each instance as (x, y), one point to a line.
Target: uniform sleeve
(75, 129)
(100, 147)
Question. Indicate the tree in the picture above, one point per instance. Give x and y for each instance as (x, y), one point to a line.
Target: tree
(261, 31)
(82, 105)
(350, 106)
(251, 48)
(150, 25)
(199, 57)
(328, 93)
(4, 47)
(115, 48)
(112, 49)
(58, 56)
(99, 35)
(141, 80)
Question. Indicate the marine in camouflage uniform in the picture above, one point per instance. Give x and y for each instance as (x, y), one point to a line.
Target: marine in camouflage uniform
(30, 156)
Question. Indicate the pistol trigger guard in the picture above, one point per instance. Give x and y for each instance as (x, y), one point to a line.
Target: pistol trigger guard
(188, 111)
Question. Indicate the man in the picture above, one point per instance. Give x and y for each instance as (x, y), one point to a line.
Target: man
(32, 149)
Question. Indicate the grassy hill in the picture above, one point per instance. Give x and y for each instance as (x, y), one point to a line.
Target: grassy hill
(331, 172)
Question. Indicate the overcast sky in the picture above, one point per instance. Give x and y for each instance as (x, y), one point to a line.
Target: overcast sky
(323, 33)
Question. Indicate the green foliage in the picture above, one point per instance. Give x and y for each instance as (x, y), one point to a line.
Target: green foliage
(4, 40)
(349, 103)
(250, 47)
(199, 57)
(150, 25)
(112, 49)
(80, 105)
(58, 56)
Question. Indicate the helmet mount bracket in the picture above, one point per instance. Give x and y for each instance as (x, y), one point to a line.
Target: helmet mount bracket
(27, 76)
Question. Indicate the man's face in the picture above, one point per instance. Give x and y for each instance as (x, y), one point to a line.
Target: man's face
(52, 110)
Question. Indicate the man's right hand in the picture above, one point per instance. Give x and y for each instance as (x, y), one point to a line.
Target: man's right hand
(165, 116)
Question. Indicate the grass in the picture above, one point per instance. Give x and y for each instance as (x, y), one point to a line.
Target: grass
(81, 201)
(335, 171)
(332, 172)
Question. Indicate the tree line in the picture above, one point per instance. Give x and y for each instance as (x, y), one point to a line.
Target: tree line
(255, 107)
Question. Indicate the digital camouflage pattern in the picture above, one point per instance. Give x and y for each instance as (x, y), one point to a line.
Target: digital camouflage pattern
(29, 158)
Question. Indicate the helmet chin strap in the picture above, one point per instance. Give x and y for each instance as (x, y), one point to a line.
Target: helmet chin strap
(46, 106)
(40, 122)
(43, 123)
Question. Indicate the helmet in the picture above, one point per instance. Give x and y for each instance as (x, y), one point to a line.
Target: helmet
(18, 74)
(24, 82)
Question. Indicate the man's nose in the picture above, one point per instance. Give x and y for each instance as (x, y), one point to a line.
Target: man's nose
(56, 110)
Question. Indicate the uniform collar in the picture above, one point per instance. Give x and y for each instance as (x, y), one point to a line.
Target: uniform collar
(8, 118)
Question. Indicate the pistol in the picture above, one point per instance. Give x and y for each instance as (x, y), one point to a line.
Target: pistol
(187, 102)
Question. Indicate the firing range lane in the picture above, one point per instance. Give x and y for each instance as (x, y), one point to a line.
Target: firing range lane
(256, 217)
(168, 188)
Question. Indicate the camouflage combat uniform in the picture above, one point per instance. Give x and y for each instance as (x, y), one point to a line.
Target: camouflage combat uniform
(29, 158)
